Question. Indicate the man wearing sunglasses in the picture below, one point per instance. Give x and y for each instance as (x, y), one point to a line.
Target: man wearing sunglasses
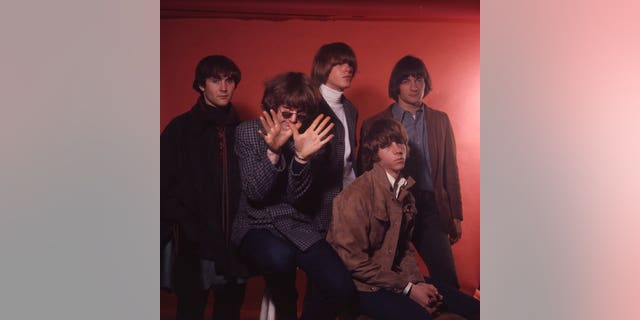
(275, 228)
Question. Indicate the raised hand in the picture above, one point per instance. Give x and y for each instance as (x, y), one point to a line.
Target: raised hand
(274, 135)
(316, 136)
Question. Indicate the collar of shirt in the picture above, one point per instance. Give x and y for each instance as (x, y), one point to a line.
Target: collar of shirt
(396, 187)
(399, 113)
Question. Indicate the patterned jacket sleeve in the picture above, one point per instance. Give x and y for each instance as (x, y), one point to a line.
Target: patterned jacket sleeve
(259, 176)
(299, 182)
(257, 173)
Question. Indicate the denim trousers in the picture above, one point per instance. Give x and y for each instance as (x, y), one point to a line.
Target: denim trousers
(276, 259)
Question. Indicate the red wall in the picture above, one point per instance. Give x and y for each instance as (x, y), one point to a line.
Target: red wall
(262, 49)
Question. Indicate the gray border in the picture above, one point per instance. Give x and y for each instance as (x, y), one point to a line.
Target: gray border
(79, 180)
(560, 154)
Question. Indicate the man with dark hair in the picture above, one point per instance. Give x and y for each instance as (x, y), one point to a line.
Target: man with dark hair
(275, 230)
(432, 163)
(199, 188)
(373, 221)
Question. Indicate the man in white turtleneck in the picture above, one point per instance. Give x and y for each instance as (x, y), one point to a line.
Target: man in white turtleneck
(332, 94)
(334, 67)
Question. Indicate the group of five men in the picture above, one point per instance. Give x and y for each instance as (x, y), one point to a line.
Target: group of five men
(270, 195)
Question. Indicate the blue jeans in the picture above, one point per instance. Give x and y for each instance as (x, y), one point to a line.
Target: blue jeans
(383, 304)
(277, 259)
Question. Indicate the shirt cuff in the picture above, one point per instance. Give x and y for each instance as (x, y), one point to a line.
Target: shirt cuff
(273, 157)
(407, 289)
(297, 166)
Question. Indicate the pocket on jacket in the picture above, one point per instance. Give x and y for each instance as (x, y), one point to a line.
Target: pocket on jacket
(379, 226)
(409, 212)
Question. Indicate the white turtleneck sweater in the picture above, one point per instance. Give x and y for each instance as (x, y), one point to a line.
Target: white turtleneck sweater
(334, 100)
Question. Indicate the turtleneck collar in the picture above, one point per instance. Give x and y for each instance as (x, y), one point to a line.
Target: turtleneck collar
(206, 115)
(213, 110)
(333, 97)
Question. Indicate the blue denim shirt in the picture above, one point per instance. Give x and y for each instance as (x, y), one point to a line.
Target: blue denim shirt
(418, 165)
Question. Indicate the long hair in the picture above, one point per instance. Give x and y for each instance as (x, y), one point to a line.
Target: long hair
(381, 134)
(404, 68)
(294, 90)
(330, 55)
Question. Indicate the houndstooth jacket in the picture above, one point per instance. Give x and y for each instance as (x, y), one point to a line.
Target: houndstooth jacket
(274, 197)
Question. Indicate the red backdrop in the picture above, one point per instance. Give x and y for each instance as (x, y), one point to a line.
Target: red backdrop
(264, 48)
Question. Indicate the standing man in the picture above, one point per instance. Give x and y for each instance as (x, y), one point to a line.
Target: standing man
(275, 229)
(373, 220)
(199, 192)
(432, 164)
(333, 69)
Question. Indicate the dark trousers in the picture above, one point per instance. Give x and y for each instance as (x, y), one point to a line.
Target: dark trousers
(192, 297)
(383, 304)
(226, 304)
(277, 259)
(431, 242)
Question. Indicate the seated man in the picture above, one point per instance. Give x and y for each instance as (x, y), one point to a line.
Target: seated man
(274, 229)
(373, 220)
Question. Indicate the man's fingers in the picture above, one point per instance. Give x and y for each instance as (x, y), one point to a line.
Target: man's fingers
(271, 117)
(455, 238)
(326, 130)
(315, 122)
(325, 140)
(323, 123)
(266, 119)
(264, 124)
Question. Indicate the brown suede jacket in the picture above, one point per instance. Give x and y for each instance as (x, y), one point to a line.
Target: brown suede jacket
(371, 231)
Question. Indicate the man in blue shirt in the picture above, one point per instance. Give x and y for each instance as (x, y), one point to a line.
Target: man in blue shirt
(432, 163)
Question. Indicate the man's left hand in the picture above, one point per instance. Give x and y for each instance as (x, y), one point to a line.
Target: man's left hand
(458, 235)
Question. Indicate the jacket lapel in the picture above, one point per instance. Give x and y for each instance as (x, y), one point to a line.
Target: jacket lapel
(431, 139)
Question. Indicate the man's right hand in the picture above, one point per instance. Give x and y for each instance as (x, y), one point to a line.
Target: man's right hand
(426, 295)
(273, 134)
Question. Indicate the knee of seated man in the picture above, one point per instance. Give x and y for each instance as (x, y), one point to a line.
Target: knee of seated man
(341, 291)
(279, 260)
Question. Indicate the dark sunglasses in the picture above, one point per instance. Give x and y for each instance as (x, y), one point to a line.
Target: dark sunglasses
(288, 114)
